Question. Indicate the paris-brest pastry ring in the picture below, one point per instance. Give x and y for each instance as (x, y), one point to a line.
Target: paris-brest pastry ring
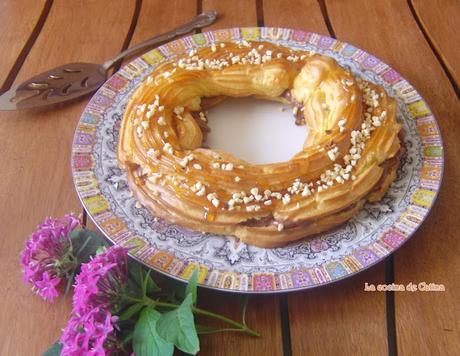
(350, 155)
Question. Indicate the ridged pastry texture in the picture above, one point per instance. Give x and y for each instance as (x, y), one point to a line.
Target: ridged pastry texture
(350, 154)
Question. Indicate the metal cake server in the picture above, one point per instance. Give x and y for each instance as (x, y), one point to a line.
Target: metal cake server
(76, 79)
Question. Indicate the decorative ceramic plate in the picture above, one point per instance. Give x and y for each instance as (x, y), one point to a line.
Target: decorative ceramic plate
(226, 264)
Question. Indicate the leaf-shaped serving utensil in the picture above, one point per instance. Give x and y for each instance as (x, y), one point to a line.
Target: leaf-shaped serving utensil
(76, 79)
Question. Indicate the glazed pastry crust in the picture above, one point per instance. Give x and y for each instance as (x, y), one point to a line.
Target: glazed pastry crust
(350, 155)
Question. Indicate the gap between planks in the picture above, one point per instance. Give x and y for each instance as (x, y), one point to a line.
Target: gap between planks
(389, 266)
(9, 80)
(327, 20)
(390, 307)
(435, 51)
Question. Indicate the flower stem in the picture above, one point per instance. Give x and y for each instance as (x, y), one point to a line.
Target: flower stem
(240, 326)
(131, 299)
(88, 239)
(207, 313)
(221, 330)
(150, 302)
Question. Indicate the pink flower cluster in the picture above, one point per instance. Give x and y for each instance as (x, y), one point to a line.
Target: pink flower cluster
(91, 328)
(48, 258)
(42, 258)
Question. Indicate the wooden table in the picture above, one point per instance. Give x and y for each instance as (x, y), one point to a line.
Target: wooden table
(419, 38)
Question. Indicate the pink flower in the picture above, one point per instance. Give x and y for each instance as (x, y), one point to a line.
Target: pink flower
(45, 257)
(91, 328)
(47, 286)
(90, 334)
(101, 279)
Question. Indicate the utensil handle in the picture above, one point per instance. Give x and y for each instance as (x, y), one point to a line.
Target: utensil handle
(202, 20)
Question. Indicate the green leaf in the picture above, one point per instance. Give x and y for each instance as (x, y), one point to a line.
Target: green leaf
(131, 289)
(131, 311)
(145, 281)
(178, 288)
(86, 243)
(146, 340)
(152, 287)
(135, 272)
(54, 350)
(177, 326)
(149, 286)
(192, 285)
(140, 280)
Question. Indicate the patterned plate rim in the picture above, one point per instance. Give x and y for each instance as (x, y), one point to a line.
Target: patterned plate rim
(387, 243)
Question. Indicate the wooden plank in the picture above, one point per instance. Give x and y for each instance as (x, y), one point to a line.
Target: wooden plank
(232, 13)
(262, 315)
(35, 154)
(426, 323)
(340, 319)
(303, 15)
(440, 20)
(15, 34)
(329, 313)
(173, 13)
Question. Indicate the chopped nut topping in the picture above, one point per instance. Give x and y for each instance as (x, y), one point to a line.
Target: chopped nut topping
(161, 121)
(286, 199)
(253, 208)
(227, 167)
(333, 153)
(178, 110)
(168, 148)
(211, 196)
(152, 153)
(203, 117)
(201, 192)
